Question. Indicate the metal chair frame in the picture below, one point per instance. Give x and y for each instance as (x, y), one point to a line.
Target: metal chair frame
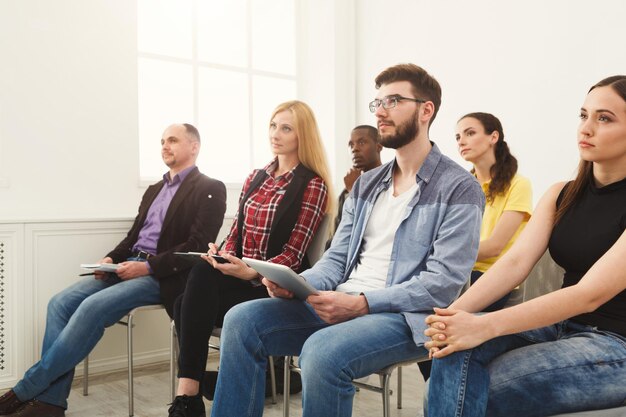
(384, 388)
(129, 331)
(217, 333)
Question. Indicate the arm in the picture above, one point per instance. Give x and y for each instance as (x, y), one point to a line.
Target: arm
(601, 283)
(510, 270)
(506, 227)
(231, 240)
(517, 209)
(351, 177)
(123, 249)
(309, 218)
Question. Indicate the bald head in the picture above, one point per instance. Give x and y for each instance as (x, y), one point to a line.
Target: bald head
(180, 145)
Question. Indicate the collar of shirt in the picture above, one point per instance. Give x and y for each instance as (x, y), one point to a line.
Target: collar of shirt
(425, 172)
(180, 177)
(272, 166)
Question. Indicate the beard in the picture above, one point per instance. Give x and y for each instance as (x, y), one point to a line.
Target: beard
(405, 133)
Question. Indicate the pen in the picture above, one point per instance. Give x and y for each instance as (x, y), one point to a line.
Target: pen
(86, 273)
(219, 248)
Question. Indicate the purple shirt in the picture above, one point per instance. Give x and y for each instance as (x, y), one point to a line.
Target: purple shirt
(151, 229)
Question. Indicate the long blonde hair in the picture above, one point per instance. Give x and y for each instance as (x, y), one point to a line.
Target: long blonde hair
(310, 148)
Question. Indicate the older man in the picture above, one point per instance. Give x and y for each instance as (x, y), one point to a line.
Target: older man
(183, 212)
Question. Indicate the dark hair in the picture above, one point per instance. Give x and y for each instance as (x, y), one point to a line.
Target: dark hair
(503, 171)
(192, 131)
(584, 176)
(371, 131)
(424, 85)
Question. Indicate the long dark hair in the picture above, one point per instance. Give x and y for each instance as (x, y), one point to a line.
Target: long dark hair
(505, 168)
(584, 176)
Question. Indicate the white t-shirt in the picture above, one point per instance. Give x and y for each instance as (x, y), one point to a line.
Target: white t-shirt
(387, 214)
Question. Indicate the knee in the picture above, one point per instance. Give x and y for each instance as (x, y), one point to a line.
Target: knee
(319, 361)
(241, 317)
(59, 307)
(240, 324)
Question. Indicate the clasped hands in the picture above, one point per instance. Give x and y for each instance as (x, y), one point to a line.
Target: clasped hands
(453, 330)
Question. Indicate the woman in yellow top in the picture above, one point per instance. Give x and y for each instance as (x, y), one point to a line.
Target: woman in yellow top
(480, 139)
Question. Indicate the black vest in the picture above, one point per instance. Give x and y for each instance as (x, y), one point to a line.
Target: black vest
(286, 213)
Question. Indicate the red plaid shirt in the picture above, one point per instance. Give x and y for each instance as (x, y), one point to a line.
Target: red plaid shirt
(259, 212)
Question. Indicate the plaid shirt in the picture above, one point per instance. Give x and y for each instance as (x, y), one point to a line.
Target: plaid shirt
(259, 212)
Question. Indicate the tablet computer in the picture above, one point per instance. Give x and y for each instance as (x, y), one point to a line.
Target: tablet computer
(283, 276)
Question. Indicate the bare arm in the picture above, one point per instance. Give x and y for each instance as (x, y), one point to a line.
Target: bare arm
(513, 268)
(602, 282)
(505, 228)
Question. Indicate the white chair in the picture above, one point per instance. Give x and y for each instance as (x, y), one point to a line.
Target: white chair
(129, 325)
(317, 245)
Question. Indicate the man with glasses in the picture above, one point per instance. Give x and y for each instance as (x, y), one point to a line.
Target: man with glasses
(183, 212)
(407, 243)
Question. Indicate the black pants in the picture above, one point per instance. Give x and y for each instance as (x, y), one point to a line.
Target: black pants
(209, 294)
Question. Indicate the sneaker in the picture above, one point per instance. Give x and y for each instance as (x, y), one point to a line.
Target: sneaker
(185, 406)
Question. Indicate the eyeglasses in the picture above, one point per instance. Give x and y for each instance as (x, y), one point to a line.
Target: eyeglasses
(390, 102)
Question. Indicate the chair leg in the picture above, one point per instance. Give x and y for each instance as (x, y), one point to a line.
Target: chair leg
(399, 387)
(286, 383)
(130, 366)
(86, 376)
(173, 359)
(272, 379)
(385, 378)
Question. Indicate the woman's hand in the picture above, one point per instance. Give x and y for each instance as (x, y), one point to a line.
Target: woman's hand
(235, 266)
(455, 330)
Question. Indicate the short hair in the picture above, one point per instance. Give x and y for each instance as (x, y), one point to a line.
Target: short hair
(192, 132)
(425, 86)
(372, 132)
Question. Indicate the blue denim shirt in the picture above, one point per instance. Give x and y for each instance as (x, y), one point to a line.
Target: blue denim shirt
(434, 248)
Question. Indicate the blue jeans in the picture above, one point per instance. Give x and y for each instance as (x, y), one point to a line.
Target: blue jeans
(331, 356)
(76, 319)
(563, 368)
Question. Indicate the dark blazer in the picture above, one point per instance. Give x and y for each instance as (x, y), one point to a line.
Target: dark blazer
(193, 219)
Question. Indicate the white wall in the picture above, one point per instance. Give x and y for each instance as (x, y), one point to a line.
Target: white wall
(68, 102)
(68, 109)
(68, 87)
(528, 62)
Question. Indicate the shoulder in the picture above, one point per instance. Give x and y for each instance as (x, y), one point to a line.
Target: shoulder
(317, 183)
(520, 181)
(206, 181)
(460, 186)
(152, 189)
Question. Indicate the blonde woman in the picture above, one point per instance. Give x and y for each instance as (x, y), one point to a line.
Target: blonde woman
(280, 209)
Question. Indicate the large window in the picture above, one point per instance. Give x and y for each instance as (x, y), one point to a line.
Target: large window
(220, 65)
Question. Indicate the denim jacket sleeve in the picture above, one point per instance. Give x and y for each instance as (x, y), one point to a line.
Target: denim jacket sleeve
(330, 270)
